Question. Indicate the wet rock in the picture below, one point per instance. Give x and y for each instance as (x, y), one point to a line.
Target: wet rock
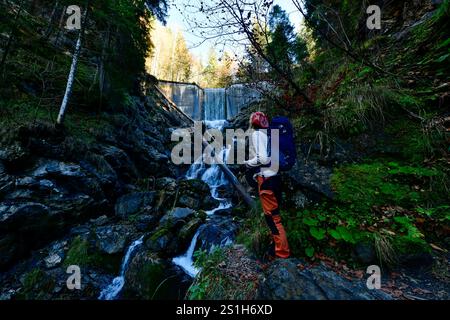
(13, 156)
(149, 277)
(134, 203)
(52, 260)
(309, 176)
(217, 231)
(195, 194)
(166, 184)
(6, 182)
(55, 254)
(112, 239)
(285, 281)
(119, 161)
(189, 202)
(146, 222)
(26, 214)
(163, 242)
(52, 168)
(100, 221)
(68, 178)
(188, 230)
(176, 216)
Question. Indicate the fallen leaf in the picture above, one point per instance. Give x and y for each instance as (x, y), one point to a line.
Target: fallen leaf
(435, 247)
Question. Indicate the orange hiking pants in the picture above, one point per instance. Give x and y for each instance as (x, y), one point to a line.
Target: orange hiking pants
(270, 195)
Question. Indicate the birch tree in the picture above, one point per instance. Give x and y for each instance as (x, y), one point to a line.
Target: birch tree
(73, 69)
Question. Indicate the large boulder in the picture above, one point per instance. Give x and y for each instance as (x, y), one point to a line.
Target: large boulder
(284, 280)
(313, 179)
(119, 161)
(112, 239)
(149, 277)
(187, 232)
(29, 222)
(217, 231)
(14, 156)
(22, 214)
(164, 242)
(176, 216)
(134, 203)
(69, 178)
(195, 194)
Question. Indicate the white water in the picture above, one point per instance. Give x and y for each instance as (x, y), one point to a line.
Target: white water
(215, 179)
(185, 261)
(111, 291)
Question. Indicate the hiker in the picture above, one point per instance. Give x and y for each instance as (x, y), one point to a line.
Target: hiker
(269, 185)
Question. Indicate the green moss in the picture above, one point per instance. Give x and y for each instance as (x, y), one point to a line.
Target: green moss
(367, 185)
(150, 278)
(159, 233)
(82, 254)
(37, 285)
(78, 253)
(414, 142)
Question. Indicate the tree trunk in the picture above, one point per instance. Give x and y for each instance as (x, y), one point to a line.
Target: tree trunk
(11, 37)
(102, 71)
(48, 32)
(73, 70)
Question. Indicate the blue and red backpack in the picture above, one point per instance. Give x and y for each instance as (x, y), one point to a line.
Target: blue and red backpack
(288, 153)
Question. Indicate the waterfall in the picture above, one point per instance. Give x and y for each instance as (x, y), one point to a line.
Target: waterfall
(186, 261)
(111, 291)
(214, 178)
(214, 104)
(210, 103)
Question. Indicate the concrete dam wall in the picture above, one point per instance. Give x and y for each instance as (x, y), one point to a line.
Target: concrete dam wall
(209, 103)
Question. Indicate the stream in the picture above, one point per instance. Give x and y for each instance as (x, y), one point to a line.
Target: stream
(112, 291)
(215, 179)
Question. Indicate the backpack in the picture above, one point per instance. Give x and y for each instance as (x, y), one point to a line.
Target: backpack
(288, 153)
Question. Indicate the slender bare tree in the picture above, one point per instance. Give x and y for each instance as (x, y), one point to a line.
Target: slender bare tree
(73, 69)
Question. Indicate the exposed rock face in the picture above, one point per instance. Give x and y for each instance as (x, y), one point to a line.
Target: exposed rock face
(217, 231)
(195, 194)
(174, 233)
(285, 281)
(51, 181)
(309, 176)
(112, 239)
(134, 203)
(176, 216)
(149, 277)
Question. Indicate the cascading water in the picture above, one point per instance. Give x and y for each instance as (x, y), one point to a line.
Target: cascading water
(185, 261)
(215, 179)
(214, 104)
(111, 291)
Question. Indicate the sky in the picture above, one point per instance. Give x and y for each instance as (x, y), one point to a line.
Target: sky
(176, 21)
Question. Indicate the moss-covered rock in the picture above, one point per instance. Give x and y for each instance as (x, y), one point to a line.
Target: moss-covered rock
(37, 285)
(150, 278)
